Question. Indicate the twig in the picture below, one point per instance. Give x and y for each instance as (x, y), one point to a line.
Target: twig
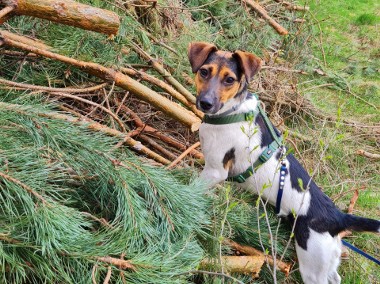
(24, 186)
(283, 69)
(92, 125)
(368, 154)
(142, 127)
(211, 273)
(290, 6)
(108, 275)
(172, 109)
(187, 151)
(157, 146)
(164, 86)
(120, 263)
(5, 11)
(167, 76)
(353, 200)
(363, 100)
(118, 120)
(50, 89)
(263, 13)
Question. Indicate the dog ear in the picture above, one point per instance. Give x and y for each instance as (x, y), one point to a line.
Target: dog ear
(249, 62)
(198, 53)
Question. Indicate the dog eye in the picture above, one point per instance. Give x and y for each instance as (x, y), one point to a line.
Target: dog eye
(203, 72)
(229, 80)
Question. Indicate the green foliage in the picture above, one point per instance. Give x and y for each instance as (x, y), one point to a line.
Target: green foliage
(57, 179)
(367, 19)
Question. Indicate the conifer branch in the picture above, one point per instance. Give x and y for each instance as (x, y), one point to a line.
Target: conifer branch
(115, 117)
(23, 186)
(141, 127)
(70, 13)
(83, 121)
(23, 39)
(121, 80)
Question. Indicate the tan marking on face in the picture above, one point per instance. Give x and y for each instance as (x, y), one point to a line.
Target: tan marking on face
(203, 83)
(227, 91)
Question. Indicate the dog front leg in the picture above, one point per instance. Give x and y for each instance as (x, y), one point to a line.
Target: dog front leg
(212, 176)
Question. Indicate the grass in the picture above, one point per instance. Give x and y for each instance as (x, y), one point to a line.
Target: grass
(347, 50)
(349, 53)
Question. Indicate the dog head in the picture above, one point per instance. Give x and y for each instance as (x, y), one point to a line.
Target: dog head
(220, 75)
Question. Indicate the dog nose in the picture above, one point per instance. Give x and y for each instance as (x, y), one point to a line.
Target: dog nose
(206, 104)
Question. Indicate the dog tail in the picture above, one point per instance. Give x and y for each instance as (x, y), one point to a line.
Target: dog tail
(360, 224)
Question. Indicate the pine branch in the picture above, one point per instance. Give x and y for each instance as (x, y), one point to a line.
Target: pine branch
(133, 144)
(23, 186)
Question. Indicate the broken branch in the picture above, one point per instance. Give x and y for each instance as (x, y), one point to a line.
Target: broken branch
(120, 263)
(368, 154)
(263, 13)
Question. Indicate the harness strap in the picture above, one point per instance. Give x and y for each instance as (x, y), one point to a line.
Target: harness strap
(249, 116)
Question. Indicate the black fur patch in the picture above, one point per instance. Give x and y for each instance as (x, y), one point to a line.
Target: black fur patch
(266, 137)
(229, 156)
(322, 216)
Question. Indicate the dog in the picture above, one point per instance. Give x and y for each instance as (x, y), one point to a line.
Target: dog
(232, 146)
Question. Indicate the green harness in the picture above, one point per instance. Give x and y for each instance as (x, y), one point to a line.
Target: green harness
(249, 116)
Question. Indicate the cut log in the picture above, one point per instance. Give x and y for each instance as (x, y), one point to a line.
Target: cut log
(282, 266)
(238, 264)
(70, 13)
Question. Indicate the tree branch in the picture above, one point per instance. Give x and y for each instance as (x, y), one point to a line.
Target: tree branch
(165, 105)
(70, 13)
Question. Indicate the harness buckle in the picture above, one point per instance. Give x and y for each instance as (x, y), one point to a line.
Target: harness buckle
(240, 179)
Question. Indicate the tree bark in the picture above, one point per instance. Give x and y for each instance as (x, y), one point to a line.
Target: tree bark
(70, 13)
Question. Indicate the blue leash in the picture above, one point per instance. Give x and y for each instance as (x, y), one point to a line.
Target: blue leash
(359, 251)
